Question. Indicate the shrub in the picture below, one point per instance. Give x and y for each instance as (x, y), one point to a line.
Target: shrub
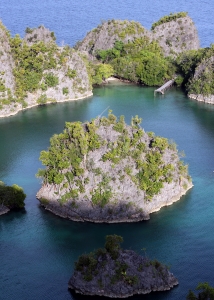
(51, 80)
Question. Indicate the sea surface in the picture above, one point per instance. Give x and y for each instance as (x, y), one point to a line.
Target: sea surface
(71, 20)
(38, 249)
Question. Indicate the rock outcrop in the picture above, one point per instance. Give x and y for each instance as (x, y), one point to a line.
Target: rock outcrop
(3, 210)
(42, 34)
(202, 84)
(7, 80)
(177, 36)
(58, 73)
(117, 173)
(121, 275)
(174, 37)
(104, 36)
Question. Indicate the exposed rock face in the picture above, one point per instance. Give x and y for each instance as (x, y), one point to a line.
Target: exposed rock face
(206, 65)
(3, 210)
(116, 187)
(77, 87)
(69, 71)
(177, 36)
(128, 275)
(6, 63)
(174, 37)
(39, 34)
(201, 85)
(202, 98)
(104, 36)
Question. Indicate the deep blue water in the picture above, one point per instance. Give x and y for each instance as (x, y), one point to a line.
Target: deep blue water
(38, 249)
(71, 20)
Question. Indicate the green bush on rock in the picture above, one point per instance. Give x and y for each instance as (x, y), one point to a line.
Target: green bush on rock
(101, 165)
(12, 196)
(117, 273)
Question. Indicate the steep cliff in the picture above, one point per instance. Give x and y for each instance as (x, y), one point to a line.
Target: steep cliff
(104, 35)
(7, 80)
(175, 33)
(201, 86)
(35, 71)
(107, 171)
(176, 36)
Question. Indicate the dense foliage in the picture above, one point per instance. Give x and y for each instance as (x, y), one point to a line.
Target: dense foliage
(140, 61)
(187, 63)
(66, 152)
(206, 292)
(12, 196)
(68, 166)
(31, 62)
(100, 72)
(37, 66)
(169, 18)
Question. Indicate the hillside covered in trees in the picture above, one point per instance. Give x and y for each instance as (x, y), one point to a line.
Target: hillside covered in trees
(108, 171)
(35, 71)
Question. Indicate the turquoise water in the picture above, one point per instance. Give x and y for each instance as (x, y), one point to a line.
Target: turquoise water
(38, 249)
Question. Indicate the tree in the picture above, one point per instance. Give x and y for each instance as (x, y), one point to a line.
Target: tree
(206, 292)
(12, 196)
(112, 245)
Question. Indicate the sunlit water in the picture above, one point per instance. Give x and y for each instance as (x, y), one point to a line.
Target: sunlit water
(38, 249)
(71, 20)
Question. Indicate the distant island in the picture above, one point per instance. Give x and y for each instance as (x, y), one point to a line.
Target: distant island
(117, 273)
(11, 197)
(36, 71)
(107, 171)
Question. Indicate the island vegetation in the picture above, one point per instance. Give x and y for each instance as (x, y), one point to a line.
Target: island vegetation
(11, 197)
(36, 71)
(140, 61)
(206, 292)
(117, 273)
(169, 18)
(108, 171)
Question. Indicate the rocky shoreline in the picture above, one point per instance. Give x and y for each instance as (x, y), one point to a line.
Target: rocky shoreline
(202, 98)
(4, 210)
(20, 108)
(83, 214)
(117, 273)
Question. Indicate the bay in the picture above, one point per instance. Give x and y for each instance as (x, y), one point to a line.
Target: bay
(38, 249)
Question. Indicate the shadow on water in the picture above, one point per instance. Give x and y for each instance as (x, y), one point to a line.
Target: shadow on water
(15, 215)
(151, 296)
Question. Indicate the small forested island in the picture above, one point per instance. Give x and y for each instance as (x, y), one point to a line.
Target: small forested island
(108, 171)
(36, 71)
(117, 273)
(11, 197)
